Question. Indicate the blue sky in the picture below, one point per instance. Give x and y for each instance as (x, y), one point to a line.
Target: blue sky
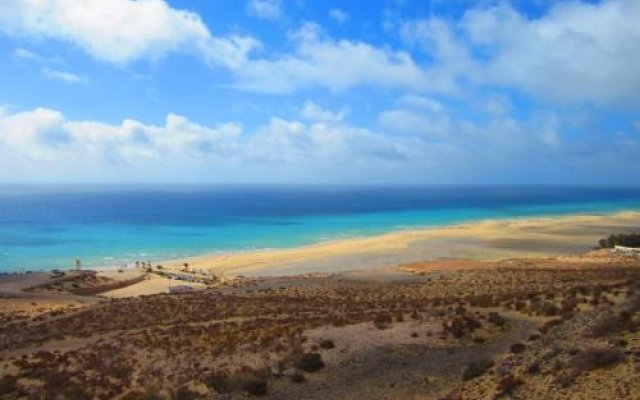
(310, 91)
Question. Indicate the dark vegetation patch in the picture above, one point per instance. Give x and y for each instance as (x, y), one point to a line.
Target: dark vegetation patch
(622, 239)
(476, 369)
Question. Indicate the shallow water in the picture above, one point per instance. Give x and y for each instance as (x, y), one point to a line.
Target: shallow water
(49, 227)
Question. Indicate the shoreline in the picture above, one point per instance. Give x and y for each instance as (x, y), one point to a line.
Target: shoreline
(353, 253)
(385, 247)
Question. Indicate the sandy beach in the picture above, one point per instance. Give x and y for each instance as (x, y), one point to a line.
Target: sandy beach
(484, 240)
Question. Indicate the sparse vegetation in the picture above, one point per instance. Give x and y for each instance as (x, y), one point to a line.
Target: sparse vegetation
(310, 362)
(476, 369)
(238, 341)
(622, 239)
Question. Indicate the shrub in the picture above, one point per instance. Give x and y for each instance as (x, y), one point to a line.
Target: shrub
(518, 348)
(8, 384)
(297, 377)
(508, 383)
(609, 324)
(149, 394)
(596, 358)
(138, 395)
(251, 384)
(184, 393)
(533, 368)
(244, 381)
(382, 321)
(496, 319)
(219, 381)
(476, 369)
(550, 324)
(327, 344)
(549, 309)
(310, 362)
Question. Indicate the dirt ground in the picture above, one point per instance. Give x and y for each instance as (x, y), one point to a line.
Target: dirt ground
(441, 329)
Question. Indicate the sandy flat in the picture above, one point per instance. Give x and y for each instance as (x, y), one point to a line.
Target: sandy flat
(485, 240)
(153, 285)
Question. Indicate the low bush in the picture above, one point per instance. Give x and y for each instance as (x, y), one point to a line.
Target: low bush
(476, 369)
(8, 385)
(496, 319)
(241, 382)
(184, 393)
(250, 384)
(310, 362)
(550, 324)
(517, 348)
(533, 368)
(507, 383)
(596, 358)
(297, 377)
(382, 321)
(327, 344)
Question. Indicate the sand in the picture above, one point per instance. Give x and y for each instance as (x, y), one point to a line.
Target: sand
(486, 240)
(490, 240)
(153, 285)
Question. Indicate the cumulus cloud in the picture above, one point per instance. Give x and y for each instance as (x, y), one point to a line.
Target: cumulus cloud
(122, 31)
(265, 9)
(320, 147)
(451, 60)
(576, 52)
(46, 137)
(320, 61)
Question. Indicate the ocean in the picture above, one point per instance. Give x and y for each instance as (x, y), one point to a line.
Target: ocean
(46, 227)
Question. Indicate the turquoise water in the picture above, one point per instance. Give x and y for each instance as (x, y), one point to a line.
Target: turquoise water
(44, 228)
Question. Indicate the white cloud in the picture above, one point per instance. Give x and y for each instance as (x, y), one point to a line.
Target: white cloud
(45, 136)
(320, 61)
(338, 15)
(433, 147)
(312, 112)
(577, 52)
(28, 55)
(422, 102)
(122, 31)
(414, 122)
(265, 9)
(64, 76)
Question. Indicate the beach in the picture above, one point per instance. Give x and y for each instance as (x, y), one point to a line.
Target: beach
(380, 256)
(483, 240)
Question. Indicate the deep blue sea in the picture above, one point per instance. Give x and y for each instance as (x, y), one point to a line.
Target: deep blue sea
(49, 227)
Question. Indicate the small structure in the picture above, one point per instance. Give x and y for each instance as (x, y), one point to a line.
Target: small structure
(626, 250)
(180, 289)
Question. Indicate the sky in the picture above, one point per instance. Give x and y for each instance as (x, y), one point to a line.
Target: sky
(320, 91)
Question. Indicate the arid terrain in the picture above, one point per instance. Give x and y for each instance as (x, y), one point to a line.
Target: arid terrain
(529, 328)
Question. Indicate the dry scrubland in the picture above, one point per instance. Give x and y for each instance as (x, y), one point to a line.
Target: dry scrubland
(523, 328)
